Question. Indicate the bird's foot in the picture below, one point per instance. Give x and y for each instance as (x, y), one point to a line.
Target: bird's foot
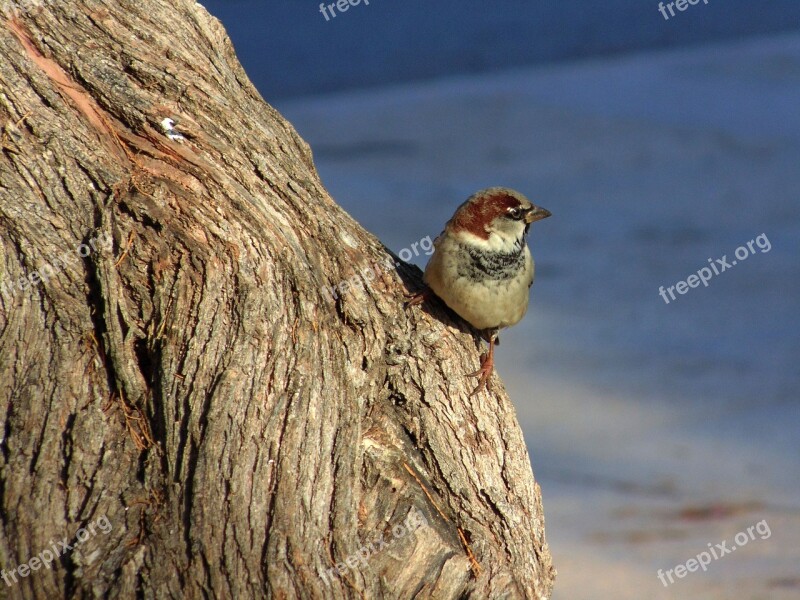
(484, 374)
(418, 298)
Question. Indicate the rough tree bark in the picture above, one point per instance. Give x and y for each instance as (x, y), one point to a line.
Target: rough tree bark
(172, 365)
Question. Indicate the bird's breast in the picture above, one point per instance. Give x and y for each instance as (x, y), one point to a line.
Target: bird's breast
(487, 289)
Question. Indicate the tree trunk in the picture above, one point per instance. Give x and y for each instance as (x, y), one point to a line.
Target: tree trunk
(209, 386)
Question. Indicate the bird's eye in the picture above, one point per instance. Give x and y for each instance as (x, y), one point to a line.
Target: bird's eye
(515, 213)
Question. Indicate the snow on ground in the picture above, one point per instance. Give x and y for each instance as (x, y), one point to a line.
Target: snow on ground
(654, 429)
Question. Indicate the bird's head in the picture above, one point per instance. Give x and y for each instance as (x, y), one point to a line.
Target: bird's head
(498, 217)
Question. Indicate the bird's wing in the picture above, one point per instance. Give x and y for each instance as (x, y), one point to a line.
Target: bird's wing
(533, 270)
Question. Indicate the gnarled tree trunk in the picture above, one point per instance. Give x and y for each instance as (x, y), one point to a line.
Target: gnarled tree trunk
(187, 409)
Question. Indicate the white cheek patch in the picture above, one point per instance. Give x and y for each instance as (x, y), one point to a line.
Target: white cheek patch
(497, 241)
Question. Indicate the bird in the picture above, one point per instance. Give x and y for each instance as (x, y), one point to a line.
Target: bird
(168, 126)
(482, 268)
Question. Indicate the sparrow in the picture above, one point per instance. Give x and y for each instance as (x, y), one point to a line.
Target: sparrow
(482, 268)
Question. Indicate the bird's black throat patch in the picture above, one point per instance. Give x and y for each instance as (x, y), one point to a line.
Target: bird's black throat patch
(483, 264)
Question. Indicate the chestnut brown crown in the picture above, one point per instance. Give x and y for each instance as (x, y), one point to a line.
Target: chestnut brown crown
(498, 210)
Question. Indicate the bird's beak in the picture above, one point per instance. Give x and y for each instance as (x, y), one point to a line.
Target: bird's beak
(537, 213)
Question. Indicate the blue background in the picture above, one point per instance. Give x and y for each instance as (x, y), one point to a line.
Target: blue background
(289, 49)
